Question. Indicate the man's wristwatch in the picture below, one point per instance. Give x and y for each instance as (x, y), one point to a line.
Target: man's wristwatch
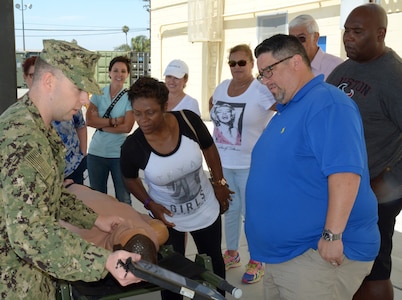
(327, 235)
(221, 182)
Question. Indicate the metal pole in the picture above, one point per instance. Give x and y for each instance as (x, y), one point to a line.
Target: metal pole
(22, 8)
(23, 25)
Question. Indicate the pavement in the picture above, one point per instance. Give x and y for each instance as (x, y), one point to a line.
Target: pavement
(233, 276)
(255, 291)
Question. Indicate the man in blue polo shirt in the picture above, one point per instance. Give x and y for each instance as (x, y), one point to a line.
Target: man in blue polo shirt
(311, 215)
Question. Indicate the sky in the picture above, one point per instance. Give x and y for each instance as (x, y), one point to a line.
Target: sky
(95, 25)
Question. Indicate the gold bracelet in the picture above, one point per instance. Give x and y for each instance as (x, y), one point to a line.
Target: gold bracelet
(221, 182)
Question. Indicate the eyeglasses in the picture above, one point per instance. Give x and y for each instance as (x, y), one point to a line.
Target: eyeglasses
(233, 63)
(267, 72)
(30, 75)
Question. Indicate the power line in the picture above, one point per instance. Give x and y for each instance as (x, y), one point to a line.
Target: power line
(73, 32)
(72, 35)
(71, 25)
(79, 30)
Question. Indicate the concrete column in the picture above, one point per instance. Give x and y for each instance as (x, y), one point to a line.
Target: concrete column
(8, 70)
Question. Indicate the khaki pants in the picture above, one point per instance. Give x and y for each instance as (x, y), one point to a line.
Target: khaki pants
(309, 277)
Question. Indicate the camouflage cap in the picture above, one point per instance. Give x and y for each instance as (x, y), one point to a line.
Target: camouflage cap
(76, 63)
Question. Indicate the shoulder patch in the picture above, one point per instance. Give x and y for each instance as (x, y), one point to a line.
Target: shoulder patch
(39, 163)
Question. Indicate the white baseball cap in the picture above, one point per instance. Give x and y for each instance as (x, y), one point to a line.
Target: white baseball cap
(176, 68)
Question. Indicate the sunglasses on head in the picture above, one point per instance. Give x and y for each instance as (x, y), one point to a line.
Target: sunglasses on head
(233, 63)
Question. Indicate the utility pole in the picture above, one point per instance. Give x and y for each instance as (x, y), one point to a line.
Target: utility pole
(22, 8)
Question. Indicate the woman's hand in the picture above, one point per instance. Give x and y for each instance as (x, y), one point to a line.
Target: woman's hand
(223, 195)
(159, 212)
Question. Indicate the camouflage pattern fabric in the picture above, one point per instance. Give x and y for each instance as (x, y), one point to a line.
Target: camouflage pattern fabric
(34, 248)
(76, 63)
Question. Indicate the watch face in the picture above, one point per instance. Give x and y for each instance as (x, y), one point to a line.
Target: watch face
(326, 236)
(223, 181)
(329, 236)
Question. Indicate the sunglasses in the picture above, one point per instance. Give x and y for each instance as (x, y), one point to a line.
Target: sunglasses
(30, 75)
(233, 63)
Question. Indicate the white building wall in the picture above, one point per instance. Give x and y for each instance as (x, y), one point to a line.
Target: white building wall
(169, 41)
(207, 61)
(394, 32)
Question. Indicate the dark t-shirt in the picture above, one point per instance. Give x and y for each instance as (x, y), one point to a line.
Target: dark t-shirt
(376, 87)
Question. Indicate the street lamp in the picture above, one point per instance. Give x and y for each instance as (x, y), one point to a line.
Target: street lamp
(23, 7)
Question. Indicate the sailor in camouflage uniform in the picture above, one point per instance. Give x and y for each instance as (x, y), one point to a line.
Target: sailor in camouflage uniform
(34, 248)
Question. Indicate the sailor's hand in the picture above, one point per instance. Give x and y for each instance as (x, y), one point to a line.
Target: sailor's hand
(108, 223)
(114, 266)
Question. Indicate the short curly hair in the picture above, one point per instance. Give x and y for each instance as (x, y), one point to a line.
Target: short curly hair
(148, 87)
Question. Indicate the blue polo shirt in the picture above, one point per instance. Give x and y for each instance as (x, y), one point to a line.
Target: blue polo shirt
(318, 133)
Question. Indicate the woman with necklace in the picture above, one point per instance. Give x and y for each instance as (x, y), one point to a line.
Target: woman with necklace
(176, 77)
(113, 118)
(240, 109)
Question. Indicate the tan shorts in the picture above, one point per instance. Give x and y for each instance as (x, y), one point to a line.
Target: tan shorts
(309, 277)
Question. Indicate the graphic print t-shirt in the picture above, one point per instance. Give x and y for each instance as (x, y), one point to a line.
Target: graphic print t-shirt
(175, 180)
(239, 122)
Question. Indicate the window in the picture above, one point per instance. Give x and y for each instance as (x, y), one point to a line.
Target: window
(270, 25)
(322, 43)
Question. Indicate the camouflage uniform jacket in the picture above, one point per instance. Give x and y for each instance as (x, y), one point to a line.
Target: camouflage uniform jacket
(34, 248)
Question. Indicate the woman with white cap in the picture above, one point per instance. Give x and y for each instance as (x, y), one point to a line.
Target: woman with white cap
(176, 77)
